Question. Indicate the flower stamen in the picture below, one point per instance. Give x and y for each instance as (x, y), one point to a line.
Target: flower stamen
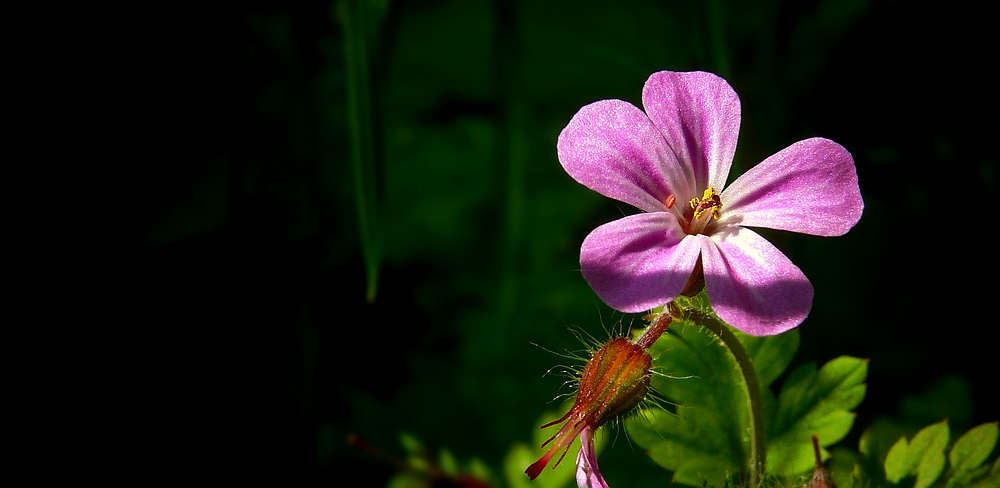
(708, 204)
(709, 201)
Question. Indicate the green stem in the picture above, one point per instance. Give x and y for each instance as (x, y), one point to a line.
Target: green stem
(352, 17)
(751, 385)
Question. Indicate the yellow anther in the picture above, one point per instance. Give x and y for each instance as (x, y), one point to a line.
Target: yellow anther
(709, 201)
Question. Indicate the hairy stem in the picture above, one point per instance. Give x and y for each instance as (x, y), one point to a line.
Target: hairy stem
(654, 331)
(751, 385)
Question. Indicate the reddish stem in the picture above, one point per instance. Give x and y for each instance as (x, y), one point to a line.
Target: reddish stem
(654, 331)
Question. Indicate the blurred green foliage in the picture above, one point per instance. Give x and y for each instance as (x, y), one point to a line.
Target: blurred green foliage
(480, 227)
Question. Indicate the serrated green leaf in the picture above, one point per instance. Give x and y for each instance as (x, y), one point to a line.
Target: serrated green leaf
(686, 445)
(814, 402)
(974, 447)
(705, 440)
(789, 458)
(694, 473)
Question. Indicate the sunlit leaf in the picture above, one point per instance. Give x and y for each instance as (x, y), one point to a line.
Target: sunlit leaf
(706, 439)
(816, 403)
(972, 449)
(923, 456)
(970, 452)
(929, 444)
(897, 462)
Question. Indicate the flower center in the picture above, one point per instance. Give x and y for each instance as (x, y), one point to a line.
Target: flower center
(703, 210)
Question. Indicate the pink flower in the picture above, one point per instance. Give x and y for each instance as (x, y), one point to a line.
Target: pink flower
(672, 162)
(587, 473)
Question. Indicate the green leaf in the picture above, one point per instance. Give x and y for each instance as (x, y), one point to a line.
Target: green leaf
(970, 452)
(897, 462)
(816, 403)
(846, 467)
(972, 449)
(927, 453)
(923, 456)
(705, 439)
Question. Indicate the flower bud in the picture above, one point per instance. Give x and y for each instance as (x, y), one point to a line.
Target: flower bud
(613, 382)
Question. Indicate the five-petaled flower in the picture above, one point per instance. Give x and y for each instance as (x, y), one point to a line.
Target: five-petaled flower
(672, 161)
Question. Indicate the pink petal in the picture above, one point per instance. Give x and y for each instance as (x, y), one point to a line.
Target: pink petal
(611, 147)
(638, 262)
(751, 284)
(587, 473)
(699, 115)
(809, 187)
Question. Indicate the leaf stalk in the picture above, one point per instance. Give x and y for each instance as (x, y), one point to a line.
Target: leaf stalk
(751, 385)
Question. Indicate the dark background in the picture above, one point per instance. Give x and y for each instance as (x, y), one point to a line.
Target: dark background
(249, 215)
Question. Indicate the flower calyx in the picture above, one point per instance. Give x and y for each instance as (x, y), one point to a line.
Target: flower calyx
(613, 382)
